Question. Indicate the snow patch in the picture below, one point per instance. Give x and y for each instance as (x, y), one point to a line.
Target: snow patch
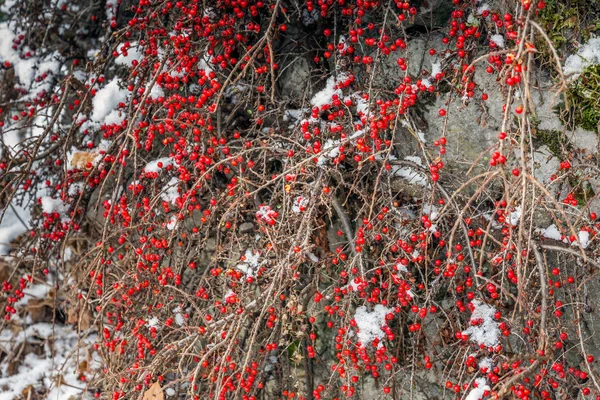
(484, 329)
(171, 194)
(300, 204)
(370, 323)
(133, 53)
(324, 96)
(552, 232)
(153, 166)
(499, 40)
(106, 101)
(588, 54)
(251, 263)
(480, 388)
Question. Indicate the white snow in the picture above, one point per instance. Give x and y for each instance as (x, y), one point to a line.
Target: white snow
(25, 69)
(480, 386)
(486, 363)
(133, 53)
(203, 64)
(156, 91)
(482, 8)
(370, 323)
(436, 68)
(171, 193)
(153, 166)
(410, 175)
(251, 263)
(14, 223)
(324, 96)
(57, 358)
(154, 322)
(432, 211)
(484, 329)
(179, 319)
(588, 54)
(50, 205)
(331, 149)
(300, 204)
(172, 222)
(36, 291)
(584, 239)
(266, 213)
(313, 257)
(515, 216)
(106, 101)
(111, 9)
(552, 232)
(499, 40)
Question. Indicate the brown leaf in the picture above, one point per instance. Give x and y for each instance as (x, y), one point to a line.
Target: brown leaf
(154, 393)
(81, 159)
(81, 317)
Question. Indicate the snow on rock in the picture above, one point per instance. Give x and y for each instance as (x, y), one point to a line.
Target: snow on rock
(325, 96)
(154, 322)
(172, 222)
(158, 165)
(515, 216)
(370, 323)
(499, 40)
(131, 54)
(106, 101)
(111, 9)
(14, 223)
(584, 239)
(409, 174)
(300, 204)
(431, 211)
(171, 193)
(480, 390)
(156, 92)
(552, 232)
(50, 205)
(313, 257)
(482, 8)
(331, 149)
(484, 329)
(436, 68)
(588, 54)
(486, 364)
(203, 64)
(179, 319)
(250, 263)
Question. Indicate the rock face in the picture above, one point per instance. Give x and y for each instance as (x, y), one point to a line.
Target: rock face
(295, 79)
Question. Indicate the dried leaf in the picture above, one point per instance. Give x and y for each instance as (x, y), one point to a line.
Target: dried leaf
(82, 158)
(81, 317)
(154, 393)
